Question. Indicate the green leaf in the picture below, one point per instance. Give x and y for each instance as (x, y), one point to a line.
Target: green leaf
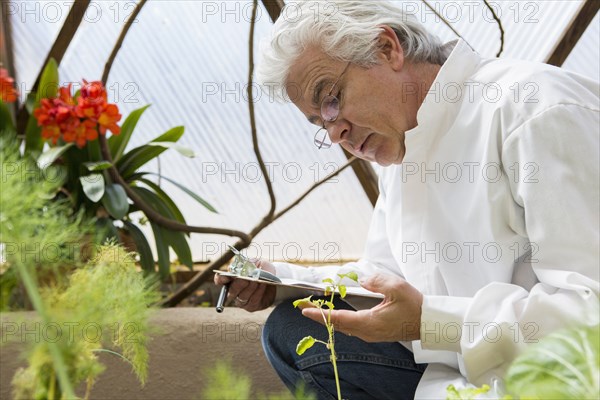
(329, 305)
(105, 230)
(47, 158)
(97, 165)
(328, 280)
(193, 195)
(48, 88)
(143, 247)
(7, 126)
(563, 365)
(33, 137)
(350, 275)
(118, 143)
(300, 301)
(136, 158)
(342, 290)
(93, 186)
(304, 344)
(452, 393)
(184, 151)
(178, 242)
(165, 199)
(154, 201)
(162, 250)
(115, 201)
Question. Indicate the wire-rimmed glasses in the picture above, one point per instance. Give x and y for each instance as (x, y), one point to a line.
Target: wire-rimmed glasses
(330, 110)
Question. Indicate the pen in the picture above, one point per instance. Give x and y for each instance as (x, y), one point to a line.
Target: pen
(222, 298)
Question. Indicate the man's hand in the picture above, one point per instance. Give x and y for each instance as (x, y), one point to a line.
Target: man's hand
(397, 317)
(250, 296)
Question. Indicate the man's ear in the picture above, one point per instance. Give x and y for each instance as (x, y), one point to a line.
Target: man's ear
(390, 49)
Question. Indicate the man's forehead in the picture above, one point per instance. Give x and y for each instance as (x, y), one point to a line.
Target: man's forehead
(309, 76)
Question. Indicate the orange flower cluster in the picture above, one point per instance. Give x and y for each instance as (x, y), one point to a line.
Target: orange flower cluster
(78, 120)
(8, 93)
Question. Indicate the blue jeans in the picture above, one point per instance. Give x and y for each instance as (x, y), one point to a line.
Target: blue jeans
(367, 370)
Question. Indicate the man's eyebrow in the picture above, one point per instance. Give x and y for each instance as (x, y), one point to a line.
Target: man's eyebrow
(317, 93)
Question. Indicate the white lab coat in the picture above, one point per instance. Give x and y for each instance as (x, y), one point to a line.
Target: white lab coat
(493, 215)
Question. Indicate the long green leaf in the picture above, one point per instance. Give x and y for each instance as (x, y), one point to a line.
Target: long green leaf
(143, 247)
(33, 137)
(93, 186)
(174, 239)
(185, 189)
(184, 151)
(7, 126)
(164, 197)
(47, 158)
(181, 247)
(97, 165)
(48, 88)
(115, 201)
(105, 230)
(162, 250)
(118, 143)
(136, 158)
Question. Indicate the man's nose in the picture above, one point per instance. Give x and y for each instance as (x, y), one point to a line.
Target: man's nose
(338, 130)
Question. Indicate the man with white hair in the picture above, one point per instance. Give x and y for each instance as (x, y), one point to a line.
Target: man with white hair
(485, 234)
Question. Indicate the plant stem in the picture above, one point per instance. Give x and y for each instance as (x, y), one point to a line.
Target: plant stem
(57, 358)
(330, 330)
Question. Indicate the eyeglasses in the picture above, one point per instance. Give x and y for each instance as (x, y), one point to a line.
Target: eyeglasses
(330, 110)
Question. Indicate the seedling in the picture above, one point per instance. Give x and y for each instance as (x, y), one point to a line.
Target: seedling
(308, 341)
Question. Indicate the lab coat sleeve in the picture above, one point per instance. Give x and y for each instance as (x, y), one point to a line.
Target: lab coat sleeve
(557, 152)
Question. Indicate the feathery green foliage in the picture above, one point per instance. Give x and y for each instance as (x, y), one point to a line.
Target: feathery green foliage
(83, 308)
(225, 383)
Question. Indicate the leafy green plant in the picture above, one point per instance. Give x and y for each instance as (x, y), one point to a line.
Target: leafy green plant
(71, 124)
(469, 393)
(224, 382)
(39, 237)
(308, 341)
(561, 366)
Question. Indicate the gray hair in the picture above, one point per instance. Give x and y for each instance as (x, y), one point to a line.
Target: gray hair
(346, 30)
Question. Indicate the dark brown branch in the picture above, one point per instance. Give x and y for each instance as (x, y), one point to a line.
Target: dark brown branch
(119, 42)
(193, 284)
(116, 177)
(499, 26)
(273, 8)
(153, 214)
(573, 33)
(313, 187)
(58, 50)
(255, 146)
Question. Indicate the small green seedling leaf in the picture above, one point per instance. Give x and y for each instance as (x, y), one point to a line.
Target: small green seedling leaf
(329, 280)
(349, 275)
(328, 290)
(305, 344)
(329, 305)
(305, 301)
(342, 290)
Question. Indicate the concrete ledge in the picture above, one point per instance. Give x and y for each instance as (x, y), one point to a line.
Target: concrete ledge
(188, 342)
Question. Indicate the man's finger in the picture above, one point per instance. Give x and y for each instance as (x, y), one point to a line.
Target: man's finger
(349, 322)
(382, 283)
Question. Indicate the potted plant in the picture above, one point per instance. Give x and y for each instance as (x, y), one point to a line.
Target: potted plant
(70, 124)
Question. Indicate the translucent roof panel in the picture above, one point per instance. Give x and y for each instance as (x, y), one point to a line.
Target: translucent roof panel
(189, 59)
